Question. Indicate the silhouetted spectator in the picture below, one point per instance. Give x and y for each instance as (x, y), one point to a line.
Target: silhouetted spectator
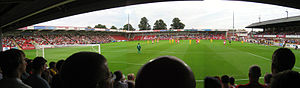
(56, 81)
(282, 59)
(254, 74)
(1, 76)
(46, 74)
(130, 80)
(225, 81)
(286, 79)
(218, 77)
(165, 72)
(212, 82)
(267, 80)
(25, 75)
(85, 70)
(35, 80)
(52, 68)
(12, 64)
(231, 82)
(28, 66)
(118, 83)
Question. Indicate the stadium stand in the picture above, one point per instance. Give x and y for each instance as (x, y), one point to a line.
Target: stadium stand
(12, 42)
(28, 39)
(118, 37)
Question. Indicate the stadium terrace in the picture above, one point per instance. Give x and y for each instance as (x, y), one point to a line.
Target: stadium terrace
(67, 28)
(80, 57)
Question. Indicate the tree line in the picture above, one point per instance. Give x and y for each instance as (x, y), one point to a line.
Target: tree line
(144, 25)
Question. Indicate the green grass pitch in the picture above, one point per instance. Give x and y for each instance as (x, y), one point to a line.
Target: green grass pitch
(205, 59)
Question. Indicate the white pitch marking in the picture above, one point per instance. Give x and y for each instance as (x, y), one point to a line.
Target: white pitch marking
(268, 59)
(259, 56)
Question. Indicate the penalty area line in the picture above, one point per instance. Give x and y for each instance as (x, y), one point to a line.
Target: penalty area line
(259, 56)
(267, 59)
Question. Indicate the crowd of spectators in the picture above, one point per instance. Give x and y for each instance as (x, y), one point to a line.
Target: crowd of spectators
(36, 38)
(278, 33)
(7, 42)
(90, 70)
(193, 36)
(283, 60)
(63, 38)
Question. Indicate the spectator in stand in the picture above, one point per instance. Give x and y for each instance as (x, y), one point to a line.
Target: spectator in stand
(12, 63)
(28, 66)
(211, 82)
(218, 77)
(231, 82)
(25, 75)
(35, 80)
(52, 68)
(254, 74)
(56, 81)
(165, 72)
(267, 80)
(225, 81)
(130, 82)
(85, 70)
(46, 74)
(1, 76)
(118, 83)
(282, 59)
(286, 79)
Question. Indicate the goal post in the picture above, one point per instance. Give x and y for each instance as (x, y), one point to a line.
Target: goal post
(40, 49)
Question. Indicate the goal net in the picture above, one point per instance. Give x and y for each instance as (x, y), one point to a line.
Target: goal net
(63, 51)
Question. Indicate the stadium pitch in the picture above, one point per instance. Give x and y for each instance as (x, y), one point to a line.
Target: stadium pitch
(205, 59)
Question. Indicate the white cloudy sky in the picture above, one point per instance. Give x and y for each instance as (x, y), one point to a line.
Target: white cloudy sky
(194, 14)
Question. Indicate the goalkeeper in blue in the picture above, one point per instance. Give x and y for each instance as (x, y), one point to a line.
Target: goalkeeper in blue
(139, 48)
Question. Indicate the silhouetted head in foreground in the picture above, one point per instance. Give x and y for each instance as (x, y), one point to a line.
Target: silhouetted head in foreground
(39, 65)
(225, 81)
(118, 75)
(59, 65)
(267, 79)
(52, 64)
(85, 70)
(286, 79)
(254, 73)
(282, 59)
(12, 63)
(211, 82)
(231, 81)
(165, 72)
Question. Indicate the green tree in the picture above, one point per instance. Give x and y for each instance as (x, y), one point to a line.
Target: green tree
(125, 27)
(100, 26)
(113, 27)
(159, 24)
(89, 27)
(144, 25)
(177, 24)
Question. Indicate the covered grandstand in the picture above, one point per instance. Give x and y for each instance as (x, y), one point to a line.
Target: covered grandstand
(278, 31)
(21, 13)
(210, 58)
